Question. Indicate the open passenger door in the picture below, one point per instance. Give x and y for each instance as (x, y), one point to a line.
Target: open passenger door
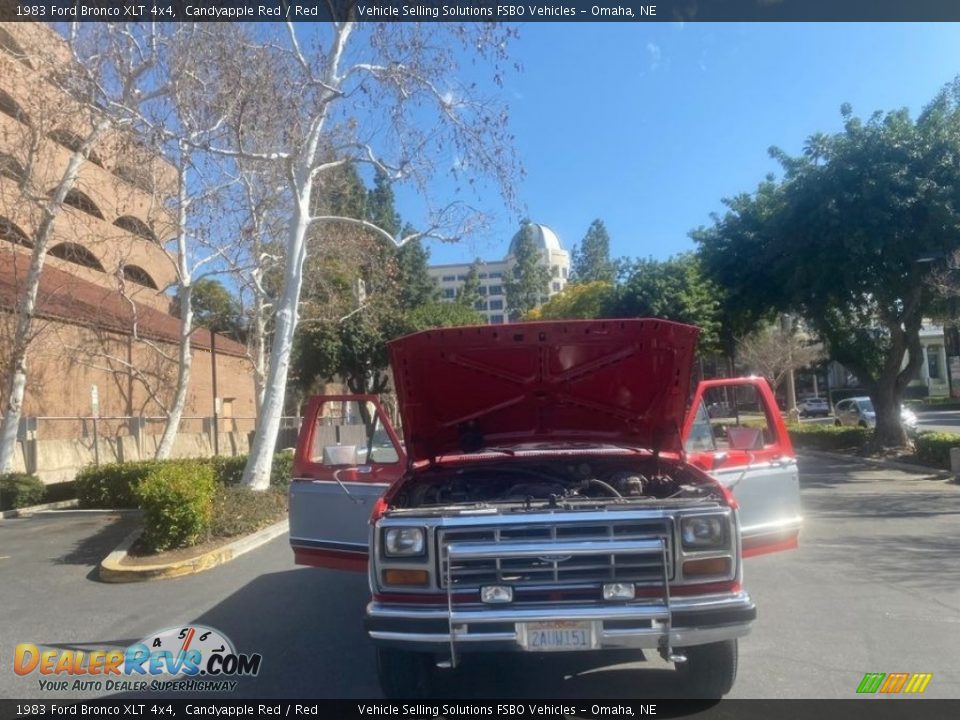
(734, 431)
(347, 455)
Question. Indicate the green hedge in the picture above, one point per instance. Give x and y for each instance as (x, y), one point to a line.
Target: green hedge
(20, 490)
(177, 502)
(282, 470)
(934, 448)
(114, 485)
(814, 436)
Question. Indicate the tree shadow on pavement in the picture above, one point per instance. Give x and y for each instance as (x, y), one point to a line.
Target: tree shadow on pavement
(93, 548)
(861, 505)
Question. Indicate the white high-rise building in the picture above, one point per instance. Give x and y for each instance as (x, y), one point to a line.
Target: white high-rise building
(493, 305)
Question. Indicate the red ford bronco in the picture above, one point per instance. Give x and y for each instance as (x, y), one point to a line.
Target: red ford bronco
(556, 489)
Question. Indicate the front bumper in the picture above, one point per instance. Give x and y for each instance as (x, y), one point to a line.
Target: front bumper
(687, 621)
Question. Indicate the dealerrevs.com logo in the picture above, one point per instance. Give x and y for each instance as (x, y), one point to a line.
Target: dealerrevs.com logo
(190, 659)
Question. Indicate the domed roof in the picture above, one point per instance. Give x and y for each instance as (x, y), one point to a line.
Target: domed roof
(543, 237)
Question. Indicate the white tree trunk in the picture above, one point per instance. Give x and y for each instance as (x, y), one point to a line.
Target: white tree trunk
(257, 473)
(259, 351)
(27, 305)
(185, 355)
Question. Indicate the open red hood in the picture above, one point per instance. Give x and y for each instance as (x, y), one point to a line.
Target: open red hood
(622, 382)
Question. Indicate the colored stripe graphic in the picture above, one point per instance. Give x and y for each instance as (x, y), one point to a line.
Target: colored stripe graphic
(871, 682)
(893, 683)
(918, 682)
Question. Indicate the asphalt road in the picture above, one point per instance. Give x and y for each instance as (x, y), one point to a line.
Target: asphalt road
(939, 421)
(927, 421)
(875, 587)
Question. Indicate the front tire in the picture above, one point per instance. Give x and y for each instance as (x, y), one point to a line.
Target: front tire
(837, 423)
(404, 675)
(710, 670)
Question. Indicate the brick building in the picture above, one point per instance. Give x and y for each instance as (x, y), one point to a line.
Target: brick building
(106, 343)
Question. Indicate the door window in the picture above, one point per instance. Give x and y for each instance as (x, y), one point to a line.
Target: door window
(351, 433)
(737, 417)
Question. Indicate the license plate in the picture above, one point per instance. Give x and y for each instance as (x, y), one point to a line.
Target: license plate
(558, 636)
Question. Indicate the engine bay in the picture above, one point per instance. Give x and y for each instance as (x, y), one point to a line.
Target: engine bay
(537, 483)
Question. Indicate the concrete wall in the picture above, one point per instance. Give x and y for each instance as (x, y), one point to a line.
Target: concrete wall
(55, 461)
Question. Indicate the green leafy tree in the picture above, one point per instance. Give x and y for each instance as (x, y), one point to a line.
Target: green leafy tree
(380, 206)
(416, 287)
(673, 289)
(591, 259)
(341, 335)
(528, 283)
(577, 301)
(441, 314)
(214, 307)
(469, 293)
(847, 240)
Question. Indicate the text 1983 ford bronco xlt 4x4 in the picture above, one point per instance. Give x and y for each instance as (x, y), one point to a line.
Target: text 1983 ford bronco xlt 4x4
(552, 493)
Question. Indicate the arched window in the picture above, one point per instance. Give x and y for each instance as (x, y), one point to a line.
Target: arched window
(137, 227)
(9, 106)
(71, 252)
(11, 232)
(135, 176)
(81, 201)
(11, 46)
(11, 168)
(74, 142)
(138, 275)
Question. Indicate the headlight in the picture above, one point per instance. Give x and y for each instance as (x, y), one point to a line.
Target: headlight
(703, 532)
(403, 541)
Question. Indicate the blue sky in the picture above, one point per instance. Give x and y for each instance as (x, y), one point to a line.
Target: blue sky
(649, 126)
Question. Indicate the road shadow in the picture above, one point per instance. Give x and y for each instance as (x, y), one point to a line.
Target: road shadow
(91, 549)
(928, 561)
(885, 505)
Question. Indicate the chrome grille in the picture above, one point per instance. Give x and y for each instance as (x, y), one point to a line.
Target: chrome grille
(549, 568)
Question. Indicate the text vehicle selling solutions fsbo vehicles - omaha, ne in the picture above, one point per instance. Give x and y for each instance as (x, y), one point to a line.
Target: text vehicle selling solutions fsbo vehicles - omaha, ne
(556, 489)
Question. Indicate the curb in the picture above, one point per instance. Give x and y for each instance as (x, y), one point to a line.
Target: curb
(27, 511)
(890, 464)
(112, 571)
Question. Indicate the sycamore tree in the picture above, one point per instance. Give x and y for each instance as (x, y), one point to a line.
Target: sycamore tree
(391, 96)
(848, 238)
(590, 260)
(88, 85)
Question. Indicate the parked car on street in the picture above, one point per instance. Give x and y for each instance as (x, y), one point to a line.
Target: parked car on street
(557, 491)
(814, 407)
(859, 412)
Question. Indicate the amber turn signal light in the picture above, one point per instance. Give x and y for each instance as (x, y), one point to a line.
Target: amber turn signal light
(706, 566)
(405, 577)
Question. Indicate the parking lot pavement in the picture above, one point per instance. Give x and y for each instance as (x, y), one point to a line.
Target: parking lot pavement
(874, 587)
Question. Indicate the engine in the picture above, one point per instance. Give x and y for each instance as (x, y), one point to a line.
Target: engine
(549, 483)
